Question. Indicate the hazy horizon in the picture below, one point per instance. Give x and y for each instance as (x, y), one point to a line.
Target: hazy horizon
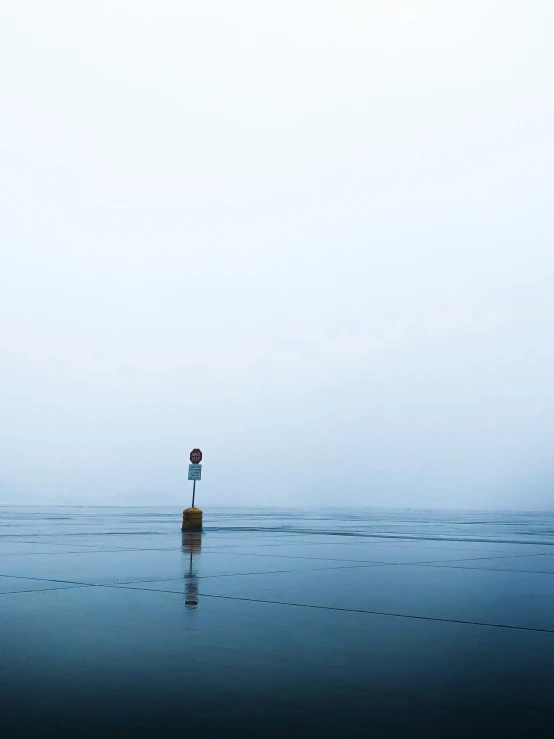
(312, 239)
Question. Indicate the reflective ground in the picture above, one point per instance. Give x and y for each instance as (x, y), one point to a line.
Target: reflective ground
(272, 623)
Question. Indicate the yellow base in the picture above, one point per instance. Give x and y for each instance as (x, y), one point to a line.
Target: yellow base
(192, 520)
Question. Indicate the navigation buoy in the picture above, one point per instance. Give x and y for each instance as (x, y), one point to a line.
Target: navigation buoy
(192, 519)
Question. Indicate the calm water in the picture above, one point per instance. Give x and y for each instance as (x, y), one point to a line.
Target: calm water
(308, 623)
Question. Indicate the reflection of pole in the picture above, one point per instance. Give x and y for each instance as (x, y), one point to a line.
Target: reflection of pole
(193, 492)
(192, 544)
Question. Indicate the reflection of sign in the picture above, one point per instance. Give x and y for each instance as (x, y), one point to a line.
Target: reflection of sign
(196, 456)
(195, 471)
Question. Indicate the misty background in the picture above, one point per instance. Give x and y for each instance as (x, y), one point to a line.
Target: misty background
(312, 237)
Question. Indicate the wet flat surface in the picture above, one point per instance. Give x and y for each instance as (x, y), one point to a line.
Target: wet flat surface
(389, 624)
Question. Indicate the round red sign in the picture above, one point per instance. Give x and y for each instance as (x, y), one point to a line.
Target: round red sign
(196, 456)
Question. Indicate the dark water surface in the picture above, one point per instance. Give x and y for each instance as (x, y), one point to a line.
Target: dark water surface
(276, 622)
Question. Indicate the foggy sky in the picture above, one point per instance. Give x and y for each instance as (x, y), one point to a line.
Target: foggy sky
(311, 237)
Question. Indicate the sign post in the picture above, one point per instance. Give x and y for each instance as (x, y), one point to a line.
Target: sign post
(195, 473)
(192, 517)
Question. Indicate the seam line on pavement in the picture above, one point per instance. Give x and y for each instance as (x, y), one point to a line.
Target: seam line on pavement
(381, 613)
(438, 619)
(358, 565)
(438, 562)
(43, 590)
(310, 532)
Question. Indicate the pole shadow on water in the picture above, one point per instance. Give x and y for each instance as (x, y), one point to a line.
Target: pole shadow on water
(192, 546)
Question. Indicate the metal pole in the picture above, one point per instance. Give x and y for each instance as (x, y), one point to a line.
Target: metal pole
(193, 491)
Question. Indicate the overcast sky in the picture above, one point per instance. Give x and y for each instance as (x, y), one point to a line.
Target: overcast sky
(312, 237)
